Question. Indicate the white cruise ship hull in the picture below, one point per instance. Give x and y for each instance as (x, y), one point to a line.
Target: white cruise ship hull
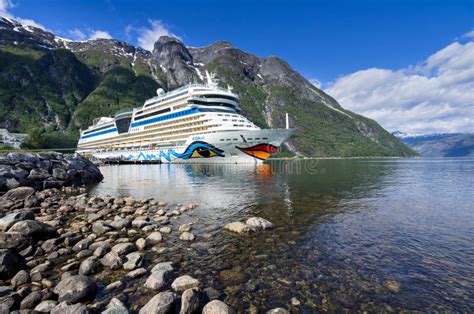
(244, 146)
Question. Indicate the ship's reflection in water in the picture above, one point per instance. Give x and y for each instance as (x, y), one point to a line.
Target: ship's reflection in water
(347, 231)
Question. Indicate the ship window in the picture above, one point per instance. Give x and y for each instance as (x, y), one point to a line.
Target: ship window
(264, 138)
(228, 139)
(222, 140)
(257, 138)
(98, 129)
(235, 139)
(154, 113)
(249, 139)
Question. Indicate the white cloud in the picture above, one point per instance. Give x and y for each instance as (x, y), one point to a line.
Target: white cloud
(148, 36)
(100, 34)
(6, 5)
(469, 34)
(78, 35)
(434, 96)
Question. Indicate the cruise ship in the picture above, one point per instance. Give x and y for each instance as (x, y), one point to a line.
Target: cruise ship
(194, 123)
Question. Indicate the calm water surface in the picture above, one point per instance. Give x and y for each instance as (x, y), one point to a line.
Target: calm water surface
(346, 231)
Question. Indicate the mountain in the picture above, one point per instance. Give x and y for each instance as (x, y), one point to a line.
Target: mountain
(60, 85)
(440, 145)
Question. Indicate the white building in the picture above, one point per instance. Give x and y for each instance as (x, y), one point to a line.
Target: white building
(11, 139)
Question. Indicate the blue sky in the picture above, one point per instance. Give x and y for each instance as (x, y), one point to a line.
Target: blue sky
(395, 61)
(321, 39)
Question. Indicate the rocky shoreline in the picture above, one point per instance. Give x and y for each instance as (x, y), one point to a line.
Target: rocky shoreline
(65, 251)
(46, 171)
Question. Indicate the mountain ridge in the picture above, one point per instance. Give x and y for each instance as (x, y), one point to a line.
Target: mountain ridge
(109, 75)
(439, 144)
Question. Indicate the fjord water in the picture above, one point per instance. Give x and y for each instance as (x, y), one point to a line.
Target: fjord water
(376, 235)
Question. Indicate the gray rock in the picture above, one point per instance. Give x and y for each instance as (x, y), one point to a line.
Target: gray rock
(115, 306)
(33, 228)
(114, 285)
(155, 237)
(19, 193)
(81, 245)
(100, 251)
(112, 260)
(259, 223)
(124, 248)
(139, 272)
(165, 230)
(185, 228)
(165, 266)
(31, 300)
(10, 263)
(10, 219)
(187, 236)
(156, 281)
(133, 261)
(120, 223)
(192, 301)
(238, 227)
(101, 227)
(161, 303)
(216, 307)
(184, 282)
(60, 174)
(22, 277)
(76, 288)
(141, 244)
(46, 306)
(89, 266)
(65, 308)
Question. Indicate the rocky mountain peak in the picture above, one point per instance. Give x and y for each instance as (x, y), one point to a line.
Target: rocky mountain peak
(166, 48)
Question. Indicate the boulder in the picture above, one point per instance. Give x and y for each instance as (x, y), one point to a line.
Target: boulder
(10, 263)
(184, 282)
(10, 219)
(75, 288)
(19, 193)
(35, 229)
(278, 310)
(164, 267)
(163, 302)
(216, 307)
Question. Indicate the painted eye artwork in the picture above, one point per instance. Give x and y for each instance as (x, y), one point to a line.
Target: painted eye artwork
(260, 151)
(202, 150)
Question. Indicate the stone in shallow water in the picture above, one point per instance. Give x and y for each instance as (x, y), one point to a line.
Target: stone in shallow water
(216, 307)
(187, 236)
(161, 303)
(232, 278)
(238, 227)
(185, 228)
(259, 223)
(184, 282)
(393, 286)
(165, 230)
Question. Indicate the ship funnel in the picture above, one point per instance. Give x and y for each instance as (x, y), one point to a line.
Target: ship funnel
(287, 121)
